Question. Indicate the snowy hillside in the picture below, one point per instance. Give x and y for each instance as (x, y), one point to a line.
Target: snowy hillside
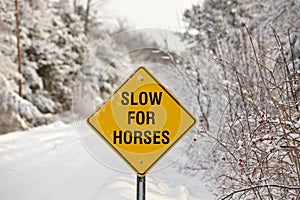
(49, 162)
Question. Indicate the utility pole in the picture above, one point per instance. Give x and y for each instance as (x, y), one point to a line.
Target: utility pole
(87, 14)
(20, 70)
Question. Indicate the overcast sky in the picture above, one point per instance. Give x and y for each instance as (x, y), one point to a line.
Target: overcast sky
(151, 13)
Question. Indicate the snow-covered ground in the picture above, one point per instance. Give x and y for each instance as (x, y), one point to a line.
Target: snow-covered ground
(49, 163)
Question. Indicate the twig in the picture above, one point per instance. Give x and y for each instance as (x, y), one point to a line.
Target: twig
(260, 186)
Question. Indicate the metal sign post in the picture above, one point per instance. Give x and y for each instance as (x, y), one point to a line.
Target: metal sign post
(141, 188)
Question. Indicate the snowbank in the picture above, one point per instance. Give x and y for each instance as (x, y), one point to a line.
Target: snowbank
(49, 163)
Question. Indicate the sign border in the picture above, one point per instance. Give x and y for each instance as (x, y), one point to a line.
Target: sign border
(168, 149)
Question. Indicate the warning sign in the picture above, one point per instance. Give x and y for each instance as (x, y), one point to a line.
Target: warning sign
(141, 121)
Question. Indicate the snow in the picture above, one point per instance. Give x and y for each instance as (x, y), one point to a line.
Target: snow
(49, 163)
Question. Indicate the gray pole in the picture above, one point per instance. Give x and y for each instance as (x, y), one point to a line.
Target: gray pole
(141, 188)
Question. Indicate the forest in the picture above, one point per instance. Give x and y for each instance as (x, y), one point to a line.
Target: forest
(240, 68)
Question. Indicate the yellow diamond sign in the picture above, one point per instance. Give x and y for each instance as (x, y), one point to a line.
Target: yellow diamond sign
(141, 121)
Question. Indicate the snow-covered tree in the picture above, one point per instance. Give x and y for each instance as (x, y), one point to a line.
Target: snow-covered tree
(253, 46)
(54, 46)
(16, 113)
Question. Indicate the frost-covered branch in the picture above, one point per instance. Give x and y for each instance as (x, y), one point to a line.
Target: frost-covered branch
(259, 186)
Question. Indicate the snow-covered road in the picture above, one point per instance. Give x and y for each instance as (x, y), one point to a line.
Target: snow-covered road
(50, 163)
